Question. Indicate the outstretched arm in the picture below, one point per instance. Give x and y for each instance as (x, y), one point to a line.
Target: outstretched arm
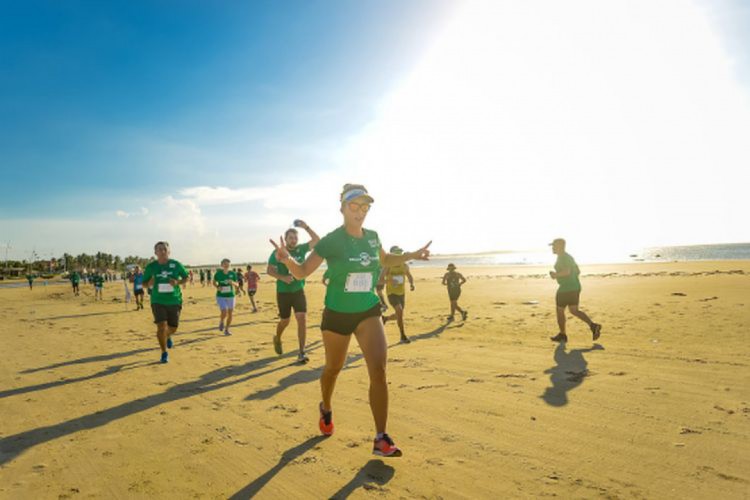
(299, 271)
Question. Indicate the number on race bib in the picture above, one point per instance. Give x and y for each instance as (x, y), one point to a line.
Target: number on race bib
(165, 288)
(358, 282)
(398, 280)
(225, 289)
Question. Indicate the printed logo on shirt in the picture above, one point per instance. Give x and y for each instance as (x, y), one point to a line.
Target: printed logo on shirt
(364, 258)
(374, 243)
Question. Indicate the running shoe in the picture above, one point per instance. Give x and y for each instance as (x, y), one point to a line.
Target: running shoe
(227, 332)
(326, 421)
(165, 357)
(302, 358)
(464, 315)
(405, 340)
(560, 337)
(450, 319)
(221, 326)
(169, 343)
(277, 345)
(384, 447)
(596, 330)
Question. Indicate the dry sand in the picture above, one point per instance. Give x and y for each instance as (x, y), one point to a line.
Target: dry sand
(489, 408)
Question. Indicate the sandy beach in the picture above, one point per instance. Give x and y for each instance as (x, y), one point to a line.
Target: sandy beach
(659, 407)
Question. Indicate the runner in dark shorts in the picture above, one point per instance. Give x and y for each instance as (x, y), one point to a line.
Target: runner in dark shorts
(290, 292)
(454, 281)
(354, 256)
(569, 291)
(165, 277)
(252, 279)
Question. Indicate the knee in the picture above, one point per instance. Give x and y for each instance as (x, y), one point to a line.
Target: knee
(284, 322)
(301, 318)
(332, 371)
(378, 373)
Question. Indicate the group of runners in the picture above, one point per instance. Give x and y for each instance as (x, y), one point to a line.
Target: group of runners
(358, 269)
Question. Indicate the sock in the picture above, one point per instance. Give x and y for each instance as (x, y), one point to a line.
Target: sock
(379, 435)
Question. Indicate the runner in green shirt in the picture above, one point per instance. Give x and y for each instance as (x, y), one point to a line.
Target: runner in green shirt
(290, 292)
(225, 281)
(569, 291)
(30, 279)
(354, 256)
(98, 281)
(166, 277)
(75, 280)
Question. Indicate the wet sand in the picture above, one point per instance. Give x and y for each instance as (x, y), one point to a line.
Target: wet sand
(659, 407)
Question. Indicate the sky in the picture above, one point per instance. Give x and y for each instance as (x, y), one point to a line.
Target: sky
(480, 125)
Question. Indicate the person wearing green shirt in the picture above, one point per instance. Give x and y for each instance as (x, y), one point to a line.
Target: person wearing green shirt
(354, 256)
(165, 277)
(98, 281)
(290, 292)
(75, 280)
(568, 295)
(203, 277)
(225, 280)
(30, 279)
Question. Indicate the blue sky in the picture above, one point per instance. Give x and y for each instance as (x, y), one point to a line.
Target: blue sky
(125, 122)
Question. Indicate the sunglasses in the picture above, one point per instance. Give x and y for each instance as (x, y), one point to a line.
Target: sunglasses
(356, 207)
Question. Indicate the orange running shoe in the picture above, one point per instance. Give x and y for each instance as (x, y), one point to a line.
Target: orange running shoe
(384, 447)
(326, 421)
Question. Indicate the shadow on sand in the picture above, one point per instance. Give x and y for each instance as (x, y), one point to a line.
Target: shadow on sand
(373, 475)
(289, 455)
(13, 445)
(569, 372)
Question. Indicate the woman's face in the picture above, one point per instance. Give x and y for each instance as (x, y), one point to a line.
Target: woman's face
(161, 252)
(355, 211)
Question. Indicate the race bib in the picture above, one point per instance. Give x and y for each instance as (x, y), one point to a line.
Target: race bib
(138, 287)
(165, 288)
(398, 280)
(225, 289)
(358, 282)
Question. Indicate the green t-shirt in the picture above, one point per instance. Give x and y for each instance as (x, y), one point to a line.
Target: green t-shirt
(163, 293)
(569, 283)
(75, 278)
(353, 269)
(226, 288)
(298, 254)
(98, 280)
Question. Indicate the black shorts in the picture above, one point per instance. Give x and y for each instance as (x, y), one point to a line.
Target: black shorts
(346, 323)
(75, 285)
(170, 314)
(287, 301)
(251, 292)
(454, 293)
(396, 300)
(138, 292)
(563, 299)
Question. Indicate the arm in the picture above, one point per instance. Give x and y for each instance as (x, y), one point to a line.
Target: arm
(410, 278)
(389, 259)
(273, 272)
(314, 238)
(445, 277)
(462, 279)
(299, 271)
(381, 278)
(560, 274)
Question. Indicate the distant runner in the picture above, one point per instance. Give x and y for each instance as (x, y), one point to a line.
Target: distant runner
(395, 284)
(165, 277)
(354, 256)
(290, 292)
(75, 280)
(137, 280)
(252, 279)
(454, 281)
(569, 291)
(98, 285)
(225, 280)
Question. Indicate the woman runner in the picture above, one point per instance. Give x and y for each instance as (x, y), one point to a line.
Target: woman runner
(354, 256)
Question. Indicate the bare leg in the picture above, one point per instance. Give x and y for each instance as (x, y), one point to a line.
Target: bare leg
(281, 326)
(301, 330)
(162, 334)
(371, 338)
(561, 319)
(229, 318)
(336, 347)
(581, 315)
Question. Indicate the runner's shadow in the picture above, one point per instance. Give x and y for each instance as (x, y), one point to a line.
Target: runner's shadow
(110, 370)
(73, 316)
(296, 378)
(13, 445)
(289, 455)
(373, 475)
(111, 356)
(569, 372)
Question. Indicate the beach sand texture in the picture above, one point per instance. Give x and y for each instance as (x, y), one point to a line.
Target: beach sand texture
(659, 407)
